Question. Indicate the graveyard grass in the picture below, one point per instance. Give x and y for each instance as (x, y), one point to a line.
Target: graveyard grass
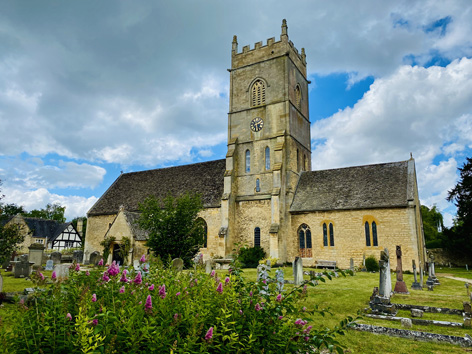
(346, 296)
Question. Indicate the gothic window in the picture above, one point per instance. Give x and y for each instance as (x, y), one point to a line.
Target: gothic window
(257, 237)
(367, 234)
(374, 234)
(202, 223)
(267, 158)
(304, 240)
(325, 235)
(248, 161)
(298, 96)
(258, 93)
(328, 236)
(331, 235)
(371, 228)
(258, 185)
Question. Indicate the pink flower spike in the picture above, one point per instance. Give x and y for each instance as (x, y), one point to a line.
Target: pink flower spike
(148, 305)
(77, 267)
(151, 288)
(162, 291)
(258, 307)
(95, 322)
(209, 334)
(94, 298)
(212, 275)
(123, 278)
(280, 317)
(87, 273)
(114, 269)
(124, 272)
(278, 298)
(100, 263)
(122, 289)
(138, 279)
(41, 276)
(105, 276)
(69, 316)
(143, 259)
(140, 302)
(53, 275)
(227, 280)
(177, 294)
(220, 288)
(176, 316)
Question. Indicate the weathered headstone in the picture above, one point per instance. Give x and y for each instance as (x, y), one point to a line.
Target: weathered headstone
(400, 286)
(416, 313)
(136, 265)
(36, 251)
(430, 280)
(421, 276)
(298, 271)
(177, 264)
(415, 285)
(386, 258)
(78, 256)
(23, 267)
(351, 264)
(433, 272)
(406, 323)
(62, 270)
(56, 257)
(94, 258)
(208, 266)
(279, 276)
(383, 283)
(49, 264)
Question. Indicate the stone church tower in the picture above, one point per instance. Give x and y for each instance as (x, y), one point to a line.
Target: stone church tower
(268, 143)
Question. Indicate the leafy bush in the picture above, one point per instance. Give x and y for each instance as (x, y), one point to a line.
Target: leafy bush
(372, 264)
(103, 311)
(250, 256)
(434, 244)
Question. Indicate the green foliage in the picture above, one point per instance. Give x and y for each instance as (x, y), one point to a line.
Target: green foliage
(9, 210)
(10, 238)
(106, 244)
(372, 264)
(250, 256)
(432, 226)
(173, 226)
(125, 248)
(458, 239)
(84, 226)
(180, 313)
(51, 212)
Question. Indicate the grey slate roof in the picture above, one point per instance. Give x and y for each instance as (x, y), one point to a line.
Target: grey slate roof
(138, 233)
(130, 189)
(360, 187)
(45, 228)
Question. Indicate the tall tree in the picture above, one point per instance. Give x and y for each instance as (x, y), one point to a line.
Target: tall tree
(459, 237)
(432, 226)
(173, 226)
(7, 210)
(51, 212)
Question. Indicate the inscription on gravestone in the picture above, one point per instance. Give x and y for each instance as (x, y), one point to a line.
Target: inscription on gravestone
(400, 286)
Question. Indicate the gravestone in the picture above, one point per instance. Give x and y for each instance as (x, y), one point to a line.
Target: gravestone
(177, 264)
(136, 265)
(62, 270)
(385, 255)
(78, 256)
(268, 265)
(351, 264)
(421, 276)
(208, 266)
(400, 286)
(36, 251)
(416, 313)
(94, 258)
(384, 289)
(56, 257)
(49, 264)
(298, 271)
(415, 285)
(430, 281)
(279, 276)
(406, 323)
(23, 267)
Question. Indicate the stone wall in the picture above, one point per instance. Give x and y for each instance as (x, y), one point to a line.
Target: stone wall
(97, 226)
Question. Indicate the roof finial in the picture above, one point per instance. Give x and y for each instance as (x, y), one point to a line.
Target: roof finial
(235, 43)
(284, 28)
(411, 155)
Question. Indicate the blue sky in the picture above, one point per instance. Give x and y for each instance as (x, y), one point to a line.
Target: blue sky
(89, 89)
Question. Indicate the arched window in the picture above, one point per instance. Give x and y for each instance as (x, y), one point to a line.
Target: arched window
(267, 158)
(367, 234)
(304, 240)
(374, 234)
(328, 238)
(331, 235)
(258, 93)
(325, 235)
(248, 161)
(257, 237)
(200, 222)
(258, 185)
(298, 96)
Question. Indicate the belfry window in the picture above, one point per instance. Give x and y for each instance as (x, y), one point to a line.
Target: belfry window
(304, 240)
(267, 158)
(257, 237)
(202, 223)
(368, 228)
(248, 161)
(258, 185)
(258, 93)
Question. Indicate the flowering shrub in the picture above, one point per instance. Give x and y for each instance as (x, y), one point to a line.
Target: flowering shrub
(164, 311)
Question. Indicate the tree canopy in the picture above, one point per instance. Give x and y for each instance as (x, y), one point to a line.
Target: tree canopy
(432, 226)
(173, 226)
(51, 212)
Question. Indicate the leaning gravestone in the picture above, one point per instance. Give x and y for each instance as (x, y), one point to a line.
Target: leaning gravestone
(298, 271)
(62, 270)
(208, 266)
(23, 267)
(56, 257)
(384, 287)
(177, 264)
(400, 286)
(49, 264)
(415, 285)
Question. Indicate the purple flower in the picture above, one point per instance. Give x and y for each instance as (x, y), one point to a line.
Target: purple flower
(100, 263)
(143, 259)
(69, 316)
(307, 330)
(94, 298)
(41, 275)
(122, 289)
(300, 322)
(212, 275)
(105, 276)
(304, 309)
(220, 288)
(53, 275)
(148, 305)
(151, 288)
(77, 267)
(176, 316)
(138, 280)
(240, 312)
(250, 293)
(123, 278)
(280, 317)
(124, 272)
(87, 273)
(227, 280)
(209, 334)
(162, 291)
(258, 307)
(177, 294)
(95, 322)
(307, 339)
(113, 269)
(278, 298)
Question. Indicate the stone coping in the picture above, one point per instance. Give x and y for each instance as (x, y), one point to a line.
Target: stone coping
(416, 320)
(430, 309)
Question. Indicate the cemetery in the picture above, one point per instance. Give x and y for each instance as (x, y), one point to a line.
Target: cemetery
(430, 313)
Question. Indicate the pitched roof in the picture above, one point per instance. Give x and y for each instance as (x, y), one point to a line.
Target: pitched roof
(138, 233)
(130, 189)
(45, 228)
(360, 187)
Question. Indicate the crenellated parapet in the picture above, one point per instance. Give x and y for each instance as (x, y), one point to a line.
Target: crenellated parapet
(271, 49)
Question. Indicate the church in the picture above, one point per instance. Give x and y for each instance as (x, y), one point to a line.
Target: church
(264, 192)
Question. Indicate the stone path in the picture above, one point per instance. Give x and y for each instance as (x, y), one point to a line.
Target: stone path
(465, 280)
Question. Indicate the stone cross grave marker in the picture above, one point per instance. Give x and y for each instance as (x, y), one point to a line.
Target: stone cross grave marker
(298, 271)
(400, 286)
(23, 267)
(279, 276)
(430, 281)
(56, 257)
(208, 266)
(49, 264)
(177, 264)
(415, 285)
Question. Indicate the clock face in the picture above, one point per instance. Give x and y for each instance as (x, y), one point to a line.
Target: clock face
(257, 124)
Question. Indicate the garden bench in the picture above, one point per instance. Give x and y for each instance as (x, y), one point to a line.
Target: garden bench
(326, 264)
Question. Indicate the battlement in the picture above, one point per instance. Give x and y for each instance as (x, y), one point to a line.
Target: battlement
(272, 49)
